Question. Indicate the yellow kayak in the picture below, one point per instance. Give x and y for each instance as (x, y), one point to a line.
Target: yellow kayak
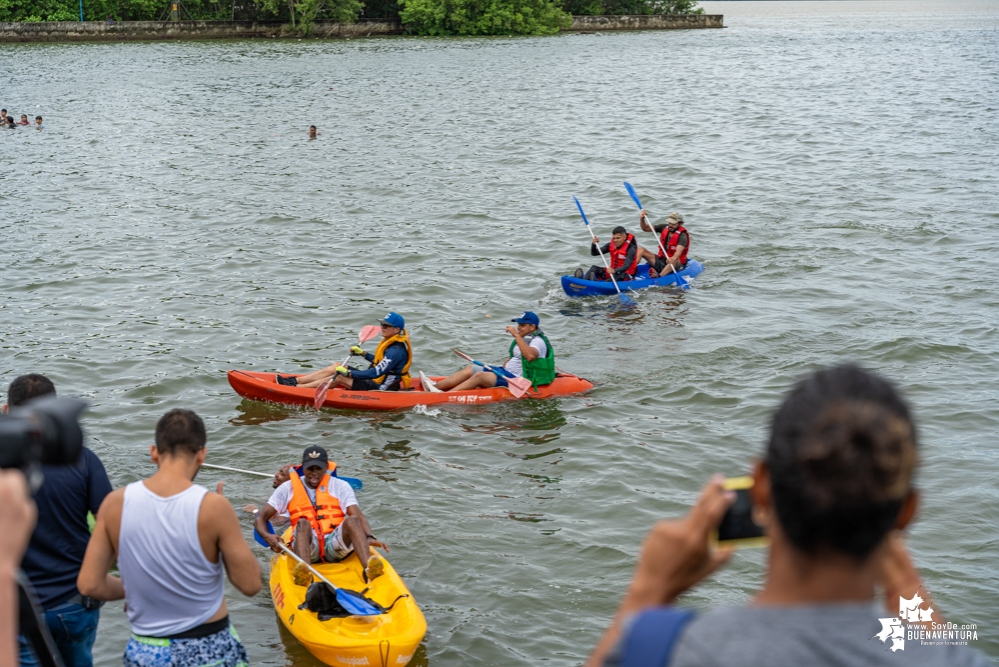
(379, 641)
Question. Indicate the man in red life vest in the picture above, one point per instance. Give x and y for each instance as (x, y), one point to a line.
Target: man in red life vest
(327, 522)
(621, 253)
(674, 238)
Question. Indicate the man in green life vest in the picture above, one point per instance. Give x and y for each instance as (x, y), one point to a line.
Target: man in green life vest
(531, 356)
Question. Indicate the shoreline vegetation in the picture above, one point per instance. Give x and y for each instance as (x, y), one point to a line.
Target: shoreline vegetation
(301, 17)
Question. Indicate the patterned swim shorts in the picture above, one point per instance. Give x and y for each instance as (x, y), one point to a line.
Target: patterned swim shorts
(222, 649)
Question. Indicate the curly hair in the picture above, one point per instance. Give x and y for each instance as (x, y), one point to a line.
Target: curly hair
(842, 455)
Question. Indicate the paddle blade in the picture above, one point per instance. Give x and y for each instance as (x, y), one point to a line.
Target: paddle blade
(259, 538)
(634, 195)
(625, 299)
(518, 386)
(580, 207)
(368, 332)
(321, 390)
(355, 604)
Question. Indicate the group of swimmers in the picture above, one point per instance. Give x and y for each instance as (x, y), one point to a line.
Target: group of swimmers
(624, 253)
(8, 122)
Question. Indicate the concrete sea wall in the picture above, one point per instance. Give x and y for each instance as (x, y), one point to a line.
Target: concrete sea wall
(99, 31)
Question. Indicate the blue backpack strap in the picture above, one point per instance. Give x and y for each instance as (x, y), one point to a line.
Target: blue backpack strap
(652, 636)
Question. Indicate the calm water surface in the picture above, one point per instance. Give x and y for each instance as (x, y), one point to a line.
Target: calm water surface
(838, 163)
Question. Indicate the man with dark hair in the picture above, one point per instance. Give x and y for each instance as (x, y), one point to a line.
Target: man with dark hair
(172, 539)
(621, 254)
(59, 542)
(831, 494)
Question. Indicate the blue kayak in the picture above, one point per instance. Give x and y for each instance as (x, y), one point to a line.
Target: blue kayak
(579, 287)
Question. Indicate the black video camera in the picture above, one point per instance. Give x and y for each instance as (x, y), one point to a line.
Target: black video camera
(45, 430)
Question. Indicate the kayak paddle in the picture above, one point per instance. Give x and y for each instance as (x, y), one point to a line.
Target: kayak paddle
(355, 606)
(354, 482)
(634, 197)
(367, 333)
(518, 385)
(625, 300)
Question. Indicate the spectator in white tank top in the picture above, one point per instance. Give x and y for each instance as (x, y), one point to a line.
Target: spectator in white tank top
(171, 539)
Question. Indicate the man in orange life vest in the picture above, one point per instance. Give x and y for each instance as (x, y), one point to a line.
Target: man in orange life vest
(327, 522)
(622, 254)
(674, 238)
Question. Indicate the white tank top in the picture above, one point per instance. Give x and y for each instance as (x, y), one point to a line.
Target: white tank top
(170, 586)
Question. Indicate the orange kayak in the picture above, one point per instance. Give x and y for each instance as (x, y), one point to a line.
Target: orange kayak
(264, 387)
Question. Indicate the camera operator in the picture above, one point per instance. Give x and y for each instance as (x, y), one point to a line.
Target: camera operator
(55, 553)
(833, 489)
(16, 522)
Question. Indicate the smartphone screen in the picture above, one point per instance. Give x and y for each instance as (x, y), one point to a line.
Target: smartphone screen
(737, 528)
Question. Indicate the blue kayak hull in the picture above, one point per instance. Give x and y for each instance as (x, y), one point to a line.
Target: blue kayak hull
(579, 287)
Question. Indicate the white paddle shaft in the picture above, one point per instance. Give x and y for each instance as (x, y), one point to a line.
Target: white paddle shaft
(248, 472)
(606, 265)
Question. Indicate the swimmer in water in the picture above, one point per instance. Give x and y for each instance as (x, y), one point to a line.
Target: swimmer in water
(10, 122)
(24, 119)
(38, 122)
(312, 132)
(3, 116)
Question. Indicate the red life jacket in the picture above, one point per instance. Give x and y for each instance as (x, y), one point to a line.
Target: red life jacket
(618, 255)
(670, 241)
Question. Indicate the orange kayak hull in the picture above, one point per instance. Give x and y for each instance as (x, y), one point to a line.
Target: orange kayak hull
(264, 387)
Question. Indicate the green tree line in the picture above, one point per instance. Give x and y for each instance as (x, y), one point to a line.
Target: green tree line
(420, 17)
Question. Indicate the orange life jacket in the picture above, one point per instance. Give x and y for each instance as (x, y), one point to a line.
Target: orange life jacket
(619, 254)
(324, 515)
(670, 241)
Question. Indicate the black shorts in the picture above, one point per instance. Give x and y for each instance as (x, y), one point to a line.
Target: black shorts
(363, 384)
(661, 264)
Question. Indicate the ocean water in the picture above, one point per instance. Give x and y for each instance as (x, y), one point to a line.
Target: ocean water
(838, 167)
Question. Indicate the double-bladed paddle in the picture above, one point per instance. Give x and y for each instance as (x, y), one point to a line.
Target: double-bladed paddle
(518, 386)
(638, 202)
(625, 300)
(367, 333)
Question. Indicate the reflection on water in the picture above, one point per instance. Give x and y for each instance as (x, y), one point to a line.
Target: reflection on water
(255, 413)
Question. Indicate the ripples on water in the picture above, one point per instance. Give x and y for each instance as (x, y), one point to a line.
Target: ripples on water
(837, 163)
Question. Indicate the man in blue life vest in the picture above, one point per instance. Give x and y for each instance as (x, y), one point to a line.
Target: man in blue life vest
(389, 364)
(531, 356)
(59, 542)
(674, 237)
(621, 253)
(328, 523)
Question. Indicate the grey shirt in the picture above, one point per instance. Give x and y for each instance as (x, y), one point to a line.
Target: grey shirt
(832, 635)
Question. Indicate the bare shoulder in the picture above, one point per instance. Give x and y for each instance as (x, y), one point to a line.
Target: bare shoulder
(113, 502)
(216, 506)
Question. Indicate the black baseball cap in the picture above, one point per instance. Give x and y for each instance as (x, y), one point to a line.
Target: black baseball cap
(315, 454)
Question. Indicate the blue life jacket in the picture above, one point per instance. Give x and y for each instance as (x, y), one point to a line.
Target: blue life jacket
(652, 636)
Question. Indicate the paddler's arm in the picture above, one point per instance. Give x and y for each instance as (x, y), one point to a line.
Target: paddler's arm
(94, 581)
(526, 351)
(241, 566)
(394, 354)
(643, 220)
(679, 250)
(676, 555)
(356, 512)
(629, 257)
(260, 523)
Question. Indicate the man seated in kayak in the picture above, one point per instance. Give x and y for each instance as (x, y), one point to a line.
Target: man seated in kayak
(674, 238)
(390, 364)
(327, 523)
(531, 356)
(621, 252)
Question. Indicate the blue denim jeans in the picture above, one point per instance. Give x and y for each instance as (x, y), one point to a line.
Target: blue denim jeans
(74, 630)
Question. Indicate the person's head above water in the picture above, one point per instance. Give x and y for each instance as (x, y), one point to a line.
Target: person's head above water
(312, 131)
(24, 119)
(392, 324)
(315, 462)
(841, 459)
(38, 120)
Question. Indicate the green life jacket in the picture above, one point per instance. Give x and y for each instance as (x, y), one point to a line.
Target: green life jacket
(541, 371)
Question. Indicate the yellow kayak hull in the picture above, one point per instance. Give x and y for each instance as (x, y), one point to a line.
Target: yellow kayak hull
(376, 641)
